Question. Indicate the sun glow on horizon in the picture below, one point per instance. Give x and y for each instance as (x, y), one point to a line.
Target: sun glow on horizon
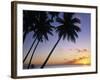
(85, 61)
(82, 61)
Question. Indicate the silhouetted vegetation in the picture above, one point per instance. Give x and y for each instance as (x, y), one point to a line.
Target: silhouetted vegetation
(39, 22)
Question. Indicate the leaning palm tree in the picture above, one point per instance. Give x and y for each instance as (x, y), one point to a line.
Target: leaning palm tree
(29, 20)
(67, 29)
(42, 29)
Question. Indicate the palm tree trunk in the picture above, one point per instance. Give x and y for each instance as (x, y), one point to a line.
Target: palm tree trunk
(33, 54)
(24, 36)
(29, 50)
(50, 54)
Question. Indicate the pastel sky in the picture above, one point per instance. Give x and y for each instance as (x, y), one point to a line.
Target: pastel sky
(65, 51)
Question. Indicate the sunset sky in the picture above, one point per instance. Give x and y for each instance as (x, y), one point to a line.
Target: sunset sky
(66, 51)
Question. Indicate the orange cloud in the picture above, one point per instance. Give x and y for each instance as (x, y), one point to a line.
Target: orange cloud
(81, 60)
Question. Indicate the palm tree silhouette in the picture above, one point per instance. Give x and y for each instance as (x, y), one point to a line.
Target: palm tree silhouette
(67, 29)
(41, 30)
(29, 20)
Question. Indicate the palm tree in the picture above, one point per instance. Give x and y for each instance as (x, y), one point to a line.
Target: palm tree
(29, 50)
(42, 29)
(67, 29)
(29, 20)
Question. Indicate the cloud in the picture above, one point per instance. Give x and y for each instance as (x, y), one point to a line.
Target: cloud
(81, 50)
(85, 50)
(77, 50)
(73, 61)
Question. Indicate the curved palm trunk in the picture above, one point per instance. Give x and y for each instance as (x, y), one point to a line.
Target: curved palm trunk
(33, 54)
(24, 36)
(50, 54)
(29, 50)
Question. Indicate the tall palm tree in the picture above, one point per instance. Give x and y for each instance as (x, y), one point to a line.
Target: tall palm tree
(67, 29)
(42, 29)
(29, 20)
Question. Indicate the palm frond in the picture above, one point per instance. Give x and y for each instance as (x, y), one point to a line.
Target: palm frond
(59, 20)
(76, 20)
(68, 28)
